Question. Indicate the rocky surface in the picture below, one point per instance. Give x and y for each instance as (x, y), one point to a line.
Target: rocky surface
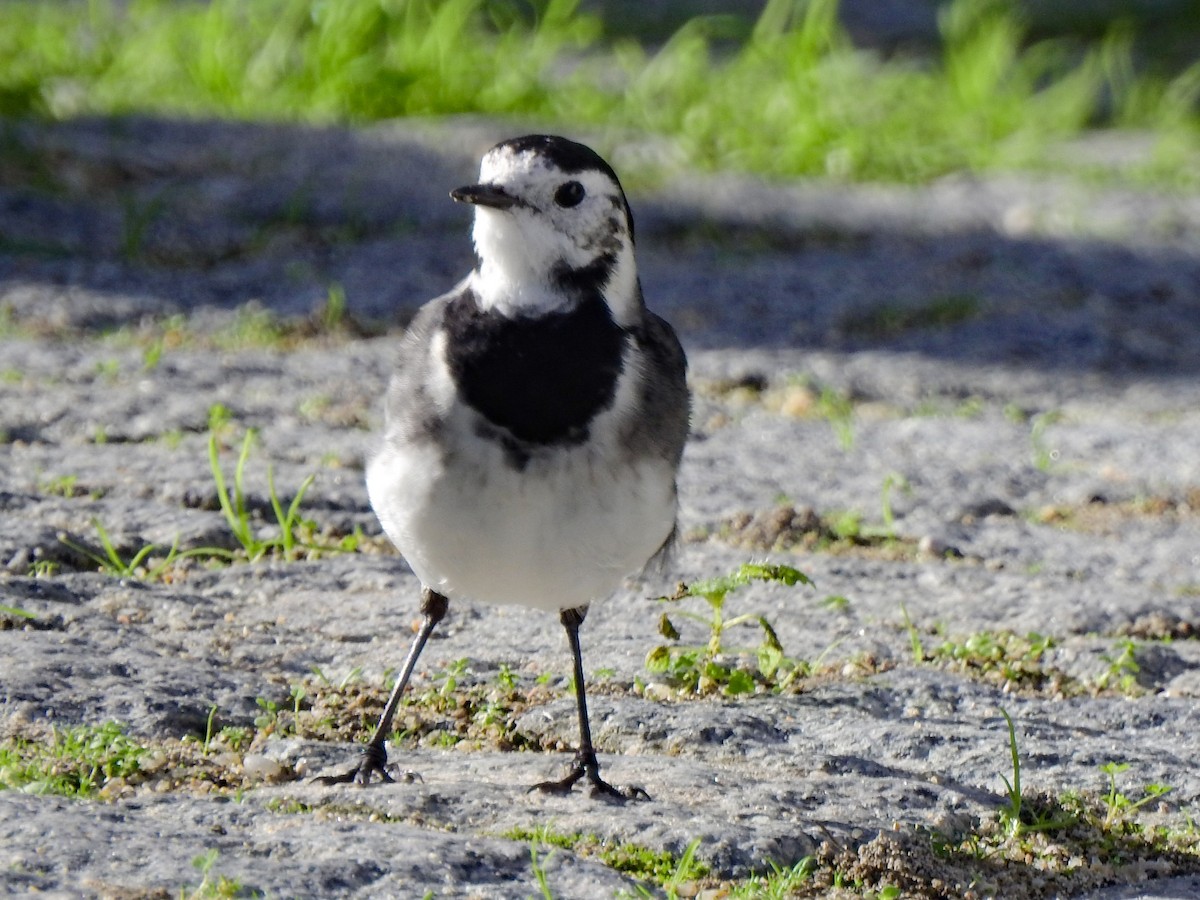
(991, 384)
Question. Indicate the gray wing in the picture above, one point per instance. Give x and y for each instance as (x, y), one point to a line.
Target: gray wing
(409, 411)
(665, 401)
(666, 408)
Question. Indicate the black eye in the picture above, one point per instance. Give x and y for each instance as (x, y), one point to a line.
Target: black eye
(569, 194)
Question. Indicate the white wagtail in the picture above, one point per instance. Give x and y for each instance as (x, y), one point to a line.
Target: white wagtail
(536, 419)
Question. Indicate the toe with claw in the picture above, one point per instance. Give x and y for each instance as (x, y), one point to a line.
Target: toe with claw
(585, 765)
(374, 761)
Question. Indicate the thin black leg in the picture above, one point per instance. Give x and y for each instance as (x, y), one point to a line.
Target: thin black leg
(585, 762)
(374, 755)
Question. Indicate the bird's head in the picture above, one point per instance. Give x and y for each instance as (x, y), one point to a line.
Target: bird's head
(551, 224)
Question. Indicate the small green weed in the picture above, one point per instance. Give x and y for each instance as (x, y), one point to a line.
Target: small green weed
(253, 327)
(452, 706)
(786, 527)
(836, 603)
(546, 836)
(208, 727)
(152, 354)
(838, 409)
(112, 563)
(108, 369)
(970, 408)
(104, 762)
(914, 637)
(267, 720)
(1017, 816)
(1018, 662)
(351, 677)
(249, 326)
(702, 669)
(444, 683)
(1013, 660)
(506, 678)
(537, 864)
(778, 884)
(1120, 807)
(290, 806)
(298, 694)
(660, 868)
(450, 674)
(63, 486)
(892, 481)
(44, 568)
(213, 885)
(1010, 815)
(443, 740)
(235, 737)
(293, 536)
(220, 422)
(333, 314)
(233, 507)
(847, 525)
(687, 868)
(1123, 668)
(1044, 455)
(1017, 415)
(77, 762)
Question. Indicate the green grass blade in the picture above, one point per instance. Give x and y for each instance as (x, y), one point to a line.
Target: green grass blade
(172, 555)
(111, 562)
(214, 465)
(914, 637)
(233, 507)
(1013, 812)
(239, 491)
(286, 538)
(115, 563)
(293, 513)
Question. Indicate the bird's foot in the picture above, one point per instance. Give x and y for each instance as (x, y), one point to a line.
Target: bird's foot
(581, 768)
(373, 762)
(601, 788)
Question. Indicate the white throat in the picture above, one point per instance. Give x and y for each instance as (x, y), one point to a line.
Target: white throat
(514, 277)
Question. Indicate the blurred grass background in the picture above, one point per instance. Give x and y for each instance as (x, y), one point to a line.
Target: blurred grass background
(781, 92)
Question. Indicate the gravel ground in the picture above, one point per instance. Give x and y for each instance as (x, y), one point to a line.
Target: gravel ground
(995, 378)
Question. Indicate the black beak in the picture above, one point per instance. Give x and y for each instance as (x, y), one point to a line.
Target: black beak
(484, 195)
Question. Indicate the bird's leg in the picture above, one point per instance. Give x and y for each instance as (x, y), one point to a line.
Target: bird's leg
(585, 758)
(374, 755)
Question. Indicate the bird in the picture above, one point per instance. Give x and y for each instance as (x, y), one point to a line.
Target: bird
(536, 419)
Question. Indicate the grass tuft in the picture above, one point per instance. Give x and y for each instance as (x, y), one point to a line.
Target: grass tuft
(697, 669)
(77, 761)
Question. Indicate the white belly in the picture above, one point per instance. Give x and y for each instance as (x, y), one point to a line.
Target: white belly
(562, 532)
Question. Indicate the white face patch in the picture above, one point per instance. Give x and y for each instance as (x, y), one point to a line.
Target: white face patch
(522, 248)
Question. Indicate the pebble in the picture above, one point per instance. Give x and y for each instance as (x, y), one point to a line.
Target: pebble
(256, 765)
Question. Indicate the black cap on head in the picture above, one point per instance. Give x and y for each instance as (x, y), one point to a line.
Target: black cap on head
(568, 156)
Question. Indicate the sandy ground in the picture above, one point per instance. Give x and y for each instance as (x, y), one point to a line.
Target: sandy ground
(997, 379)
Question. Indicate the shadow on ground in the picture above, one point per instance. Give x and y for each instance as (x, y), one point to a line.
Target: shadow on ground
(105, 222)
